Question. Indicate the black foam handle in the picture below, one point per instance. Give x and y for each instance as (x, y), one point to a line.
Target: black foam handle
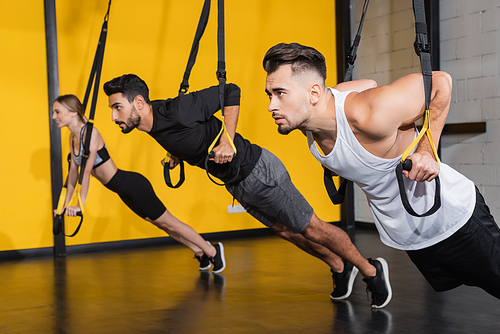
(407, 165)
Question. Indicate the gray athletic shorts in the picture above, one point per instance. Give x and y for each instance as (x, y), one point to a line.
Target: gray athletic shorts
(269, 195)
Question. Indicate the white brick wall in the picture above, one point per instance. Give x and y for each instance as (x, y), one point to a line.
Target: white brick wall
(469, 47)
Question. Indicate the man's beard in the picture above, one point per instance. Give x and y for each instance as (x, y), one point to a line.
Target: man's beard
(290, 125)
(132, 122)
(284, 130)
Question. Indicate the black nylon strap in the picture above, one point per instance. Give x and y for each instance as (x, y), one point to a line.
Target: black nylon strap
(202, 24)
(423, 50)
(95, 77)
(352, 53)
(337, 197)
(221, 55)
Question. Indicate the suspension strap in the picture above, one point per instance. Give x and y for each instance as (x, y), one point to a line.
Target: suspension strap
(337, 197)
(202, 24)
(423, 50)
(221, 77)
(95, 76)
(352, 53)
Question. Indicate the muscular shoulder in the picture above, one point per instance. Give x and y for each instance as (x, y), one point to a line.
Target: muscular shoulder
(370, 114)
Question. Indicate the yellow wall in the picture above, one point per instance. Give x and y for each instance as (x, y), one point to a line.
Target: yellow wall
(153, 41)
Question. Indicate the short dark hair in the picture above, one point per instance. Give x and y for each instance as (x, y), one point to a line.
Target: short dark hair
(302, 58)
(130, 85)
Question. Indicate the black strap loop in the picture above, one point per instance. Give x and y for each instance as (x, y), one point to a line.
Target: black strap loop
(404, 198)
(166, 175)
(337, 197)
(58, 226)
(235, 157)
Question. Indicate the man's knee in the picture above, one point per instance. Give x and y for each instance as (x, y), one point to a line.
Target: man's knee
(282, 231)
(315, 229)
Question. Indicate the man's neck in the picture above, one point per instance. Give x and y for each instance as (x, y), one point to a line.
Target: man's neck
(324, 125)
(146, 114)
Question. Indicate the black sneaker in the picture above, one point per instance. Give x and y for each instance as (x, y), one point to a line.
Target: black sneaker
(379, 285)
(218, 260)
(343, 282)
(204, 260)
(205, 263)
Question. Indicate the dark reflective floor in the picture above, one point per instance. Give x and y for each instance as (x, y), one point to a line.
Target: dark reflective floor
(269, 286)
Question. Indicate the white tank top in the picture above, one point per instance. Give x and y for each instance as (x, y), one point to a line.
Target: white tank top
(377, 178)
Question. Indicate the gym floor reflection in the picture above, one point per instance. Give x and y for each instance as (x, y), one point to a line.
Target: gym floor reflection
(269, 286)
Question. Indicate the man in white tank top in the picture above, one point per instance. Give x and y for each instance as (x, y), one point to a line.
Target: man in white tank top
(360, 131)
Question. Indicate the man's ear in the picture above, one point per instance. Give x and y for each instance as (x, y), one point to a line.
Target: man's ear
(139, 102)
(315, 93)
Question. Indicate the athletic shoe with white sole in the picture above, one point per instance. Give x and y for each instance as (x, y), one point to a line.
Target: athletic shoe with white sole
(205, 263)
(343, 282)
(379, 285)
(218, 260)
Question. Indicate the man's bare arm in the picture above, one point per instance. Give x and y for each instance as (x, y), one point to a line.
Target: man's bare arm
(382, 119)
(224, 151)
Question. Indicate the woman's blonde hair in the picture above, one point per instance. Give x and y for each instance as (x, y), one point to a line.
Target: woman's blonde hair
(72, 103)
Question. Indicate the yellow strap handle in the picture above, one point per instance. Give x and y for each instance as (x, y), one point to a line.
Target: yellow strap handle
(77, 192)
(425, 129)
(62, 198)
(167, 157)
(222, 129)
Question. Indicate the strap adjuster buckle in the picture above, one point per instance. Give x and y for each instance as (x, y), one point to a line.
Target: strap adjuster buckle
(183, 89)
(421, 47)
(221, 74)
(351, 59)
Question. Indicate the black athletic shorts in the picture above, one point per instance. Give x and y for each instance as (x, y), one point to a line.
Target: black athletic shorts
(137, 193)
(470, 256)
